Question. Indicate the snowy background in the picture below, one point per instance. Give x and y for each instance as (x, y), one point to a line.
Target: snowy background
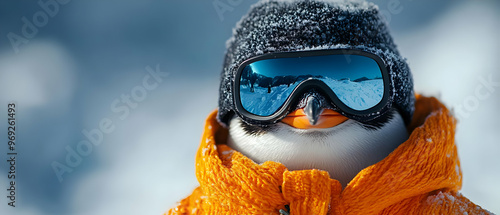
(70, 72)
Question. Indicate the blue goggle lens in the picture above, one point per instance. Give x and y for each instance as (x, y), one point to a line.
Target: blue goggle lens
(356, 81)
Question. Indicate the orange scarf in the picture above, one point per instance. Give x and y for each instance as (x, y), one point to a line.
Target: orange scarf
(421, 176)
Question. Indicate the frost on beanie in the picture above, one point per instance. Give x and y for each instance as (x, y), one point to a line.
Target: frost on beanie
(300, 25)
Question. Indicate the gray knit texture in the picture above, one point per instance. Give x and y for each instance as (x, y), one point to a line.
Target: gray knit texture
(299, 25)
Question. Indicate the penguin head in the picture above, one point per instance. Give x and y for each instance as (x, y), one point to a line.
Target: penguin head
(314, 134)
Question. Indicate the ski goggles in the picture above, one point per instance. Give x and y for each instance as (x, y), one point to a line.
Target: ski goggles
(356, 83)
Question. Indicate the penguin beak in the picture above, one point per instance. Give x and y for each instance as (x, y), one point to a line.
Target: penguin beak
(313, 110)
(313, 116)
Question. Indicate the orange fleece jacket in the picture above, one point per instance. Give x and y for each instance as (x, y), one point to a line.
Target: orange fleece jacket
(421, 176)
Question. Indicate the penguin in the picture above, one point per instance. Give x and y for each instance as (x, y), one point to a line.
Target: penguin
(314, 136)
(314, 133)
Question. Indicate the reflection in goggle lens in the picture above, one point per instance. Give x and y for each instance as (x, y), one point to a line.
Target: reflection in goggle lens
(265, 85)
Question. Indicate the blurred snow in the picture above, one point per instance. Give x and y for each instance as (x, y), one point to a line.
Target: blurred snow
(66, 78)
(5, 209)
(448, 58)
(41, 80)
(43, 74)
(147, 163)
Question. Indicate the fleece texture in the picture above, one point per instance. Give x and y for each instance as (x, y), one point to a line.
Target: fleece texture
(422, 176)
(289, 26)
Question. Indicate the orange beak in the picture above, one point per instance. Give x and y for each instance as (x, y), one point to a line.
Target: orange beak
(327, 119)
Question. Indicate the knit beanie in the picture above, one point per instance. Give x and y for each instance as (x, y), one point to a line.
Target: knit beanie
(299, 25)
